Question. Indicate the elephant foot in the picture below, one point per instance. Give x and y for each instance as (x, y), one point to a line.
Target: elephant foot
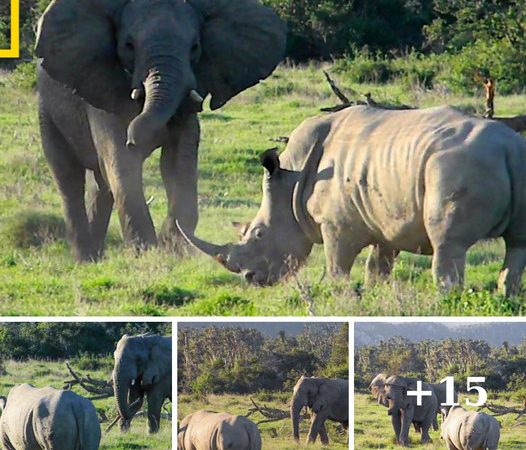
(171, 240)
(125, 425)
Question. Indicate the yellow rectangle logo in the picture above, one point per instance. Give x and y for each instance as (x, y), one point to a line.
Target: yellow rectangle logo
(14, 51)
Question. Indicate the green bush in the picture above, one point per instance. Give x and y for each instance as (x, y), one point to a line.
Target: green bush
(34, 229)
(24, 77)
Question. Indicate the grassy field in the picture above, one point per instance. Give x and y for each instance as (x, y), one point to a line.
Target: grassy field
(275, 435)
(39, 277)
(372, 426)
(46, 373)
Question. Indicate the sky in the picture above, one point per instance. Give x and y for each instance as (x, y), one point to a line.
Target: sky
(495, 333)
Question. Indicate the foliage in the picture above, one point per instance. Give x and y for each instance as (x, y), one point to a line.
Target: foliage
(58, 340)
(432, 360)
(242, 360)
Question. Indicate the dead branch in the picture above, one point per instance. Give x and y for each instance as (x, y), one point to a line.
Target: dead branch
(166, 415)
(270, 414)
(346, 103)
(343, 98)
(280, 139)
(501, 410)
(101, 389)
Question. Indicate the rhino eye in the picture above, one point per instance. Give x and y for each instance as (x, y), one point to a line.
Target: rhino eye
(258, 233)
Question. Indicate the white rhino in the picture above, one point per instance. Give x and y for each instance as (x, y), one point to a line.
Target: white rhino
(206, 430)
(432, 181)
(48, 419)
(469, 430)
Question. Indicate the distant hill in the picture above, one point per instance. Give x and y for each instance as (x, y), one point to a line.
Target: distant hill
(495, 333)
(271, 329)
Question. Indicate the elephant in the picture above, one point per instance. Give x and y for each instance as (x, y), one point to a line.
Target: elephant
(428, 181)
(143, 366)
(469, 430)
(377, 388)
(327, 398)
(405, 411)
(48, 419)
(119, 78)
(207, 430)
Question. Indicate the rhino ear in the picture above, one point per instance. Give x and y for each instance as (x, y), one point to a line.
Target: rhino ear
(270, 160)
(241, 227)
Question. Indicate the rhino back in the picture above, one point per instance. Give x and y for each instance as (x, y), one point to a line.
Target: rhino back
(373, 165)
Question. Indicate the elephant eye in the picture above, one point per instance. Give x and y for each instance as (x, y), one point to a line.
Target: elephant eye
(388, 397)
(129, 46)
(258, 234)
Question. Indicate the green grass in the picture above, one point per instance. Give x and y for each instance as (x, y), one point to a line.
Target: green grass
(46, 373)
(39, 277)
(275, 435)
(373, 430)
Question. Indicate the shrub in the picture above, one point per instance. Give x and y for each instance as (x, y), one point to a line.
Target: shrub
(34, 229)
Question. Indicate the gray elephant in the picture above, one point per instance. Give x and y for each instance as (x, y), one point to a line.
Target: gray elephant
(119, 78)
(469, 430)
(405, 411)
(206, 430)
(430, 181)
(143, 367)
(327, 398)
(377, 388)
(48, 419)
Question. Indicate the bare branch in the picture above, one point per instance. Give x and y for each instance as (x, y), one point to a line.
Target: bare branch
(336, 89)
(101, 389)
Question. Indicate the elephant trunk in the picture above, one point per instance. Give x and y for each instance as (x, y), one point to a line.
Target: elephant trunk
(122, 382)
(168, 82)
(295, 410)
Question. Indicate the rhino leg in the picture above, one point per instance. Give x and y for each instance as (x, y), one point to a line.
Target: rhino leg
(449, 262)
(340, 250)
(379, 263)
(511, 273)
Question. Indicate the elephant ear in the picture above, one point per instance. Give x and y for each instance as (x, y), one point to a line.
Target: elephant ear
(242, 42)
(76, 41)
(159, 363)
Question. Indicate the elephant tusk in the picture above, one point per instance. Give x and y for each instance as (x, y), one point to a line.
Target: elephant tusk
(137, 94)
(196, 97)
(133, 382)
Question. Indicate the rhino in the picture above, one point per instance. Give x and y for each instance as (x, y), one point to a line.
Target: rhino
(428, 181)
(467, 430)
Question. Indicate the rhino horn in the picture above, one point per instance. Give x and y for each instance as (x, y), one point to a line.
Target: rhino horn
(218, 252)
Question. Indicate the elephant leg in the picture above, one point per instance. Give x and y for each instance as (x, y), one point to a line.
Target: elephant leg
(407, 419)
(100, 205)
(155, 403)
(324, 437)
(123, 170)
(70, 178)
(396, 421)
(379, 263)
(179, 173)
(318, 420)
(425, 434)
(511, 272)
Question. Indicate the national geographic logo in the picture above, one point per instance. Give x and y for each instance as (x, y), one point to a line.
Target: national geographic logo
(14, 27)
